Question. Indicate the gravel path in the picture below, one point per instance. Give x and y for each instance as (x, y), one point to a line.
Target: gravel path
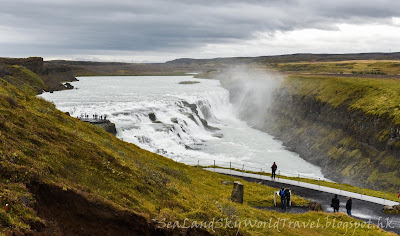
(362, 210)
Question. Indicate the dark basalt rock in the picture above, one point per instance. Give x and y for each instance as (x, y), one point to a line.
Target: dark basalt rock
(110, 128)
(152, 116)
(68, 86)
(174, 120)
(204, 122)
(107, 125)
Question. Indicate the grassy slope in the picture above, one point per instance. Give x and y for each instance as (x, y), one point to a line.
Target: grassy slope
(379, 97)
(38, 142)
(346, 67)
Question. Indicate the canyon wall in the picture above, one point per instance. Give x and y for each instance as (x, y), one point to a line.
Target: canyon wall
(347, 126)
(350, 146)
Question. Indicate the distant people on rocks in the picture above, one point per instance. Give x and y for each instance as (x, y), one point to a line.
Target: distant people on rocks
(283, 198)
(274, 167)
(335, 203)
(94, 117)
(398, 196)
(349, 204)
(287, 197)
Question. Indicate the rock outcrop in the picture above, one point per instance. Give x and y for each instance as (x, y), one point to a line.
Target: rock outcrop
(152, 116)
(53, 76)
(35, 64)
(107, 125)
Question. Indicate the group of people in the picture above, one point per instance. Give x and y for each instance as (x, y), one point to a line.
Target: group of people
(285, 196)
(95, 117)
(336, 204)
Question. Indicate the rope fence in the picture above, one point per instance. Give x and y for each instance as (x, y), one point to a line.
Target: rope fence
(263, 170)
(246, 167)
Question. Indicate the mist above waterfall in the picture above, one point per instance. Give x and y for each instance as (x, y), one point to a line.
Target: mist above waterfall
(250, 92)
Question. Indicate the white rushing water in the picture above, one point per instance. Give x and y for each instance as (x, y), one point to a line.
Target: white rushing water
(178, 131)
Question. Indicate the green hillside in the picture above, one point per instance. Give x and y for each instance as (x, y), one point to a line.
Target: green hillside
(367, 67)
(61, 176)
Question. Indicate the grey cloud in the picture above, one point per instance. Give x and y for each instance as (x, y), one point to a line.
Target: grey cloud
(169, 25)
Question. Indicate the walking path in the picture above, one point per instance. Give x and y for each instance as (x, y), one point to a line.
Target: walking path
(353, 195)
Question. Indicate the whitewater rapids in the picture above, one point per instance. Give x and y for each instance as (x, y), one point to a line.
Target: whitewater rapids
(189, 123)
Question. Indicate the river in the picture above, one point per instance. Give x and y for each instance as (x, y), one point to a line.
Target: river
(189, 123)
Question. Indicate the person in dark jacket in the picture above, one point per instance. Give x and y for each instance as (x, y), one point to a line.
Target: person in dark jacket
(335, 203)
(282, 194)
(274, 167)
(287, 197)
(349, 205)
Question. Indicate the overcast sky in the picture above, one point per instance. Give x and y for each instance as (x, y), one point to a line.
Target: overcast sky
(160, 30)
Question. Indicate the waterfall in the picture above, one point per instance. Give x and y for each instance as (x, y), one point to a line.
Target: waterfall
(185, 122)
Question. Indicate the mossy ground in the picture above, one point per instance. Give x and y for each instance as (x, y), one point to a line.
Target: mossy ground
(40, 143)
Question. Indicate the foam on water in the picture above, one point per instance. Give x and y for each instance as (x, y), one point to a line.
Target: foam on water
(180, 132)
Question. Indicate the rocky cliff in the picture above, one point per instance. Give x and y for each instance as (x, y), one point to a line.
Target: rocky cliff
(33, 71)
(35, 64)
(55, 75)
(350, 127)
(331, 128)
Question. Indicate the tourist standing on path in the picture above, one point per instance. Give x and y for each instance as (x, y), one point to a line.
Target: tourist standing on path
(287, 197)
(335, 203)
(282, 194)
(274, 167)
(349, 205)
